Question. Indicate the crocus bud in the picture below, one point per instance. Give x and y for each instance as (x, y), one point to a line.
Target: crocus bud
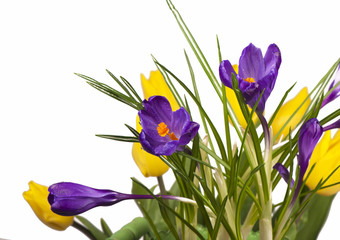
(325, 159)
(69, 199)
(36, 197)
(287, 110)
(310, 134)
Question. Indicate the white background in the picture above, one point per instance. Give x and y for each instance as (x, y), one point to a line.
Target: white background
(49, 116)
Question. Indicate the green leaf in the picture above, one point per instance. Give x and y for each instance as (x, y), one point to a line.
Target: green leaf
(106, 229)
(99, 235)
(119, 138)
(314, 217)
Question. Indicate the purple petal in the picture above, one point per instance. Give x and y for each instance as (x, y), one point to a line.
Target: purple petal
(251, 64)
(69, 199)
(155, 147)
(336, 124)
(309, 136)
(189, 132)
(336, 91)
(272, 59)
(160, 108)
(226, 69)
(284, 173)
(179, 118)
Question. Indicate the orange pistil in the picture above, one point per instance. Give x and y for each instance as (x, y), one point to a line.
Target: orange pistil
(249, 79)
(163, 130)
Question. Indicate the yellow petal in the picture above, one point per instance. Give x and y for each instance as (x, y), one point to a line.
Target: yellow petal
(287, 110)
(36, 197)
(326, 158)
(231, 96)
(156, 85)
(150, 165)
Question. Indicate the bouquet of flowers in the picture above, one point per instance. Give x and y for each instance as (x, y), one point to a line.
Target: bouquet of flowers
(223, 188)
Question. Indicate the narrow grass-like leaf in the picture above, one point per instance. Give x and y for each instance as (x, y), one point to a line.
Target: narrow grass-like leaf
(131, 88)
(219, 218)
(195, 48)
(214, 130)
(132, 130)
(241, 199)
(119, 138)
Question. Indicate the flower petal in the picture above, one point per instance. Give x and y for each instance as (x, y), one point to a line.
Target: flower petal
(251, 64)
(272, 59)
(189, 132)
(225, 70)
(284, 173)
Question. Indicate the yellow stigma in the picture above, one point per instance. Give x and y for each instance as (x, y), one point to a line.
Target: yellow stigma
(163, 130)
(249, 79)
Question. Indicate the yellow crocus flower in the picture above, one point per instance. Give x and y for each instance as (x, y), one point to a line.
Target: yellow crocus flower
(36, 197)
(231, 96)
(156, 85)
(326, 157)
(147, 163)
(286, 112)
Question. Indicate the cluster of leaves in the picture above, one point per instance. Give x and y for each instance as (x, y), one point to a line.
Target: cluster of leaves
(228, 190)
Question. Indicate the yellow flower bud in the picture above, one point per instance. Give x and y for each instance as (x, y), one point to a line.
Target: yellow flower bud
(147, 163)
(36, 197)
(286, 111)
(231, 96)
(326, 157)
(156, 85)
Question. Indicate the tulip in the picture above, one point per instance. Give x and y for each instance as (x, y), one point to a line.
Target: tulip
(148, 164)
(256, 74)
(36, 197)
(156, 85)
(69, 199)
(165, 131)
(325, 159)
(286, 111)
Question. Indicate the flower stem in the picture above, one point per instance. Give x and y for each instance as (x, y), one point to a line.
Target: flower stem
(266, 229)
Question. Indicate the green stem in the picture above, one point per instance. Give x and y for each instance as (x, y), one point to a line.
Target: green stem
(266, 229)
(83, 230)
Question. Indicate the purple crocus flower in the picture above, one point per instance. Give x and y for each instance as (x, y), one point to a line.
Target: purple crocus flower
(310, 133)
(336, 91)
(69, 199)
(164, 131)
(255, 74)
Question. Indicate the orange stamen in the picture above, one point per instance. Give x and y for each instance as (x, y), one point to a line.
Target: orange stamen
(163, 130)
(249, 79)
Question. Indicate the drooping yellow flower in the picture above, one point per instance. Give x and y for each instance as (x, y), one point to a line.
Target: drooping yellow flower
(287, 110)
(326, 157)
(231, 96)
(36, 197)
(147, 163)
